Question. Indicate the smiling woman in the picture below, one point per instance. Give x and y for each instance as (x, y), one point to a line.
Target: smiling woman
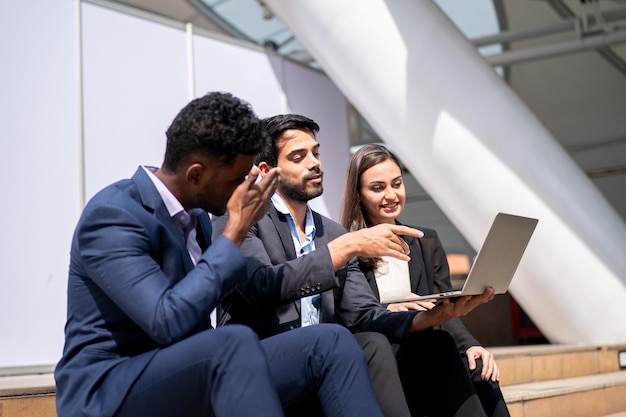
(374, 194)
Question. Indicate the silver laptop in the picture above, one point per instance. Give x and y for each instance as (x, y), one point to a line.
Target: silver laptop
(496, 261)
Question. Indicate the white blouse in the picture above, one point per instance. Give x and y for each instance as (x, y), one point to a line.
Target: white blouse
(392, 279)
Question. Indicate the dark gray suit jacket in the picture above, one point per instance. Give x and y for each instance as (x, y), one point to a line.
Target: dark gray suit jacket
(429, 273)
(269, 301)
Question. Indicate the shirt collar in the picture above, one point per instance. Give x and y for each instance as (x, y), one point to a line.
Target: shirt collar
(309, 225)
(171, 202)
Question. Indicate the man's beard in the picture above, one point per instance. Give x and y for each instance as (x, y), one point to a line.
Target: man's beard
(298, 191)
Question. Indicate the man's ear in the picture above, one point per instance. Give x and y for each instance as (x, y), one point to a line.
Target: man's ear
(264, 168)
(194, 173)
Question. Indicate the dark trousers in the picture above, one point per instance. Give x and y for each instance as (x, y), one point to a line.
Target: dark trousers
(383, 372)
(228, 372)
(435, 379)
(489, 392)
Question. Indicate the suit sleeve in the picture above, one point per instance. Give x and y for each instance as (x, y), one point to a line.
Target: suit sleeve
(276, 281)
(361, 311)
(273, 280)
(455, 327)
(123, 253)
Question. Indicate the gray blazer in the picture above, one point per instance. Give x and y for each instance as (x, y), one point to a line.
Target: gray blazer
(269, 301)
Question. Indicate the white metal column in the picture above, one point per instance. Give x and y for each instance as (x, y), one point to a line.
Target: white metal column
(477, 150)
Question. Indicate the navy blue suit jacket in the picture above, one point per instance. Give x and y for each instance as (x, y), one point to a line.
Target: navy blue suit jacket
(133, 289)
(269, 301)
(429, 251)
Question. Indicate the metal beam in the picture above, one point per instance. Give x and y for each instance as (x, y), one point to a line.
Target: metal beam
(569, 24)
(527, 33)
(556, 49)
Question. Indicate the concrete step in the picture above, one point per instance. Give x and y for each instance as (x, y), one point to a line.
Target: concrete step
(588, 396)
(541, 380)
(585, 396)
(27, 396)
(524, 364)
(28, 406)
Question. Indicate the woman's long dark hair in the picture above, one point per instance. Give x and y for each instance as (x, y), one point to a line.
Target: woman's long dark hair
(353, 215)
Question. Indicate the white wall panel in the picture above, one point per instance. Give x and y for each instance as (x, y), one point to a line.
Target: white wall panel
(135, 82)
(246, 73)
(39, 182)
(312, 94)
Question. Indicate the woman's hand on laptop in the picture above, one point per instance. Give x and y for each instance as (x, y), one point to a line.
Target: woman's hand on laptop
(421, 305)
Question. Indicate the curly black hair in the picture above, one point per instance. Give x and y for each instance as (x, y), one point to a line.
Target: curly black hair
(218, 124)
(275, 126)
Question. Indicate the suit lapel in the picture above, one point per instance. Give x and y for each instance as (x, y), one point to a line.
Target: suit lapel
(203, 231)
(288, 312)
(427, 247)
(282, 228)
(320, 234)
(327, 307)
(152, 201)
(417, 269)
